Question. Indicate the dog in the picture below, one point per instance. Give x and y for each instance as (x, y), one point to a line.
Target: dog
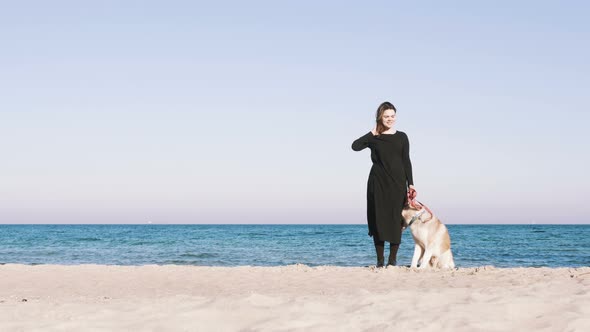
(432, 241)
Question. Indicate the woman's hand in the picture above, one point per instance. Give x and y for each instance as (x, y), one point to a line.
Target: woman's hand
(412, 191)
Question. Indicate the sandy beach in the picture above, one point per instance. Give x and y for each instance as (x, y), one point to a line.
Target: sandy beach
(291, 298)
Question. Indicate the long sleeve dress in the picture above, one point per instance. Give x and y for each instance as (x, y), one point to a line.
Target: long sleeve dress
(389, 178)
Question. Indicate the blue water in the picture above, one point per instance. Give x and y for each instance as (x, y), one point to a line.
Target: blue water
(271, 245)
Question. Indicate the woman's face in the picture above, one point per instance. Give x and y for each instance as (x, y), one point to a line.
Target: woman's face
(388, 118)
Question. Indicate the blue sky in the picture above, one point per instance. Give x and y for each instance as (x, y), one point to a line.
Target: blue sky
(244, 112)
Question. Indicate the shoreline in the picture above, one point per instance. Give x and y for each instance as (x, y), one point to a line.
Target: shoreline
(292, 297)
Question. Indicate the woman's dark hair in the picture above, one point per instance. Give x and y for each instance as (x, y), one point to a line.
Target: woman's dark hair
(380, 110)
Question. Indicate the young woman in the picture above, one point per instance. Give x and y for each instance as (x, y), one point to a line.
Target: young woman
(390, 179)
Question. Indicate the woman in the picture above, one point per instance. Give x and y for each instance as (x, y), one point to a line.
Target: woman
(390, 176)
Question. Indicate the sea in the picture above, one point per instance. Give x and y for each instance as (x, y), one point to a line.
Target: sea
(277, 245)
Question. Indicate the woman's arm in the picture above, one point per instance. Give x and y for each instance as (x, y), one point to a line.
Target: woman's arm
(362, 142)
(407, 162)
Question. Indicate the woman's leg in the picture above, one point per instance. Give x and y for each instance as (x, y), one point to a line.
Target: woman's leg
(393, 247)
(379, 248)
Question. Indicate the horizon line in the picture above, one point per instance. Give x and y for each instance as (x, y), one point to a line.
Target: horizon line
(278, 224)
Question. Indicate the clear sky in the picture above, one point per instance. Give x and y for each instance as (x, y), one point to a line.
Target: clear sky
(245, 111)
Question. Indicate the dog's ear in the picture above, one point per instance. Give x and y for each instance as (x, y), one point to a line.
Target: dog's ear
(418, 206)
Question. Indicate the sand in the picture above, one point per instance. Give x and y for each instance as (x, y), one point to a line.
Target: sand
(291, 298)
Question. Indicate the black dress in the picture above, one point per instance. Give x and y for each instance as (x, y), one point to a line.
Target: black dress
(390, 176)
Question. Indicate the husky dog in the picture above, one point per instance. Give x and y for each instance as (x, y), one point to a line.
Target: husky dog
(432, 241)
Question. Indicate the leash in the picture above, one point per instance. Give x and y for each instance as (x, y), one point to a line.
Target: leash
(413, 202)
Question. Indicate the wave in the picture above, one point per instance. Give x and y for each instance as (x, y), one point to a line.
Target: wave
(201, 255)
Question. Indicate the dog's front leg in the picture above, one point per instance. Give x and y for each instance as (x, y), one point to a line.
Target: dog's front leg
(426, 259)
(417, 254)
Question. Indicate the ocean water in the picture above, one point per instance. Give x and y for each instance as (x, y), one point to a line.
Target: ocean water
(272, 245)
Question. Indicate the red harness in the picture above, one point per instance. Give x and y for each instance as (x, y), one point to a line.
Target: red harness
(416, 204)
